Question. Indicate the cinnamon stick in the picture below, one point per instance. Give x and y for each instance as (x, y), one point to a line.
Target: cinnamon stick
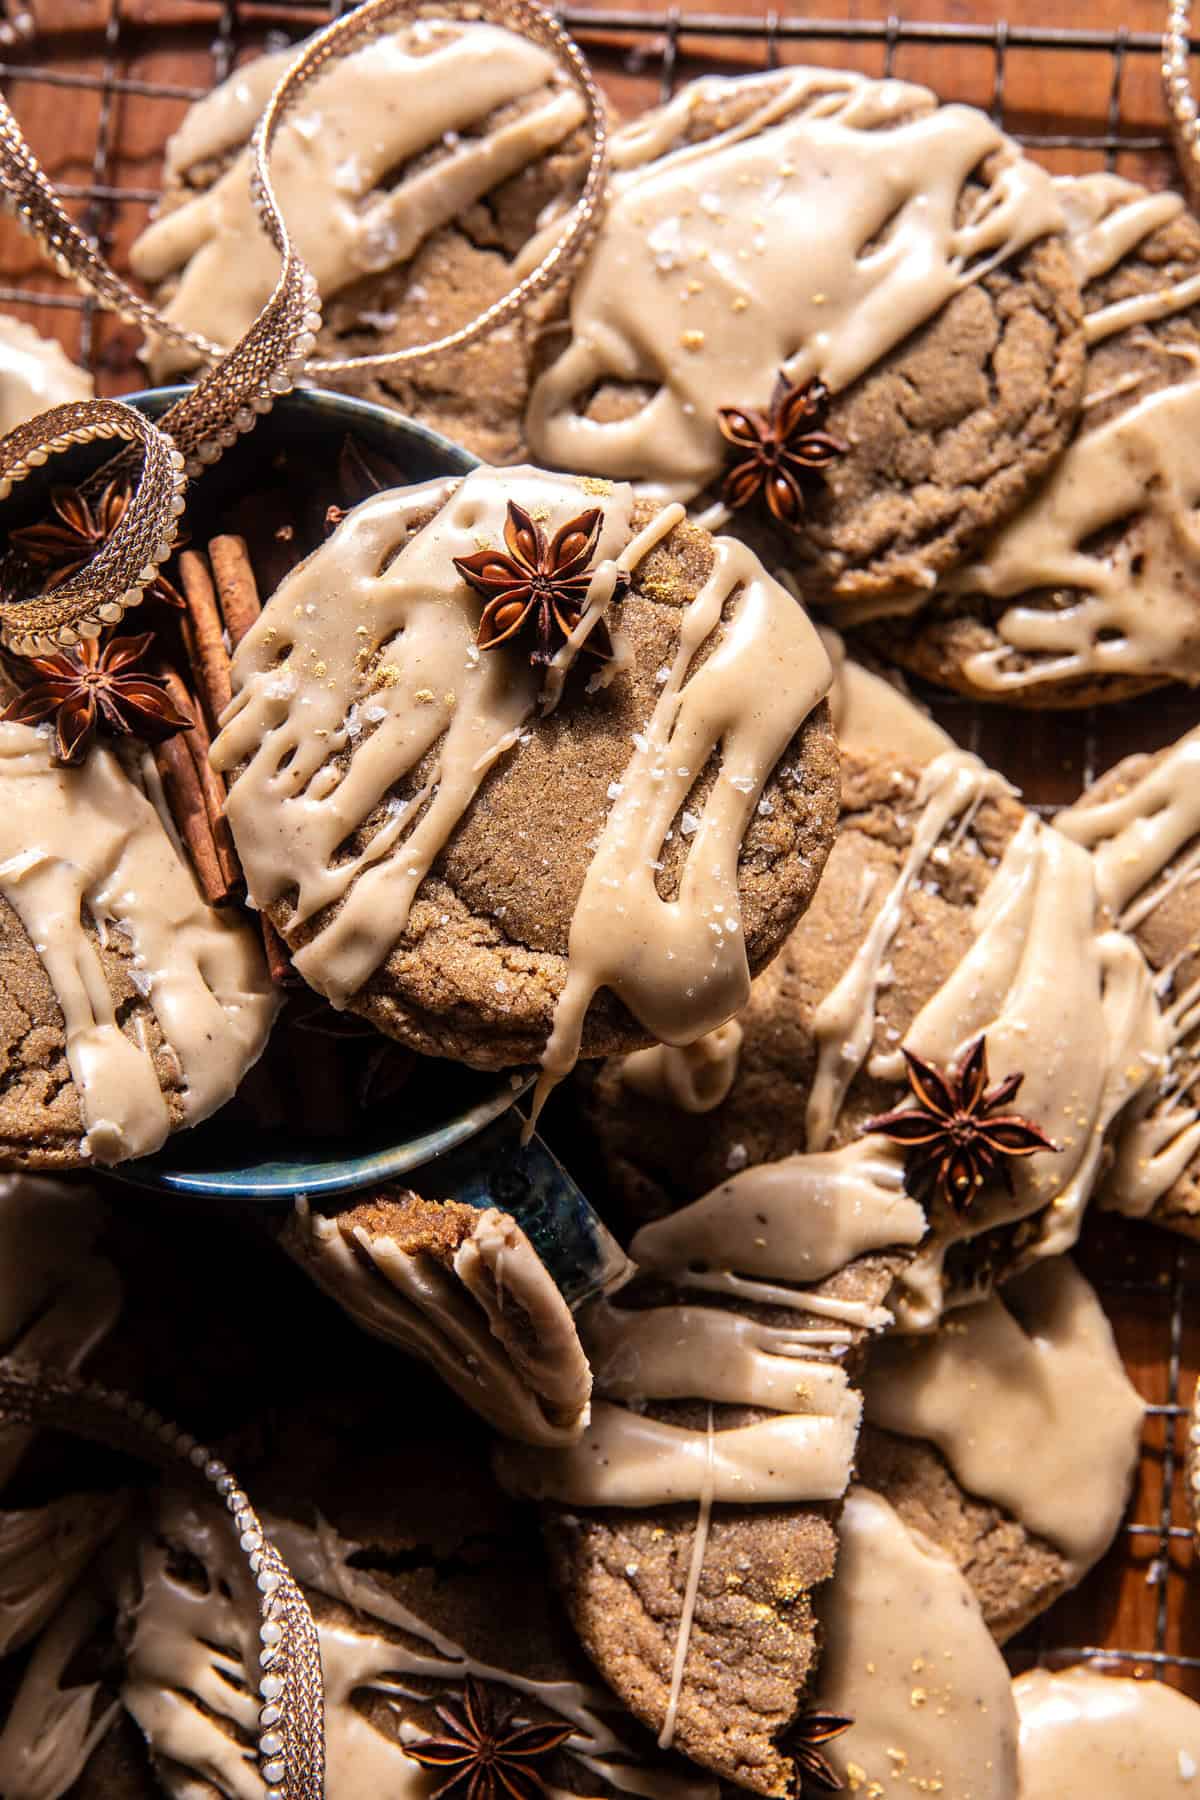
(205, 634)
(212, 787)
(237, 589)
(279, 962)
(185, 799)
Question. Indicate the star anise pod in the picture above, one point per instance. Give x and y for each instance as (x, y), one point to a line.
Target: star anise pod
(780, 449)
(956, 1136)
(483, 1753)
(89, 687)
(809, 1732)
(65, 543)
(540, 582)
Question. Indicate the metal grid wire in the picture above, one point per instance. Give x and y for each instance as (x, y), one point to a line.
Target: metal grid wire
(1133, 1612)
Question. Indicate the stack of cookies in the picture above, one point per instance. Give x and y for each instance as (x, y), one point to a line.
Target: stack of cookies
(599, 763)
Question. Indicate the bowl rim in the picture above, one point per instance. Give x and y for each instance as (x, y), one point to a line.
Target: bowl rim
(281, 1178)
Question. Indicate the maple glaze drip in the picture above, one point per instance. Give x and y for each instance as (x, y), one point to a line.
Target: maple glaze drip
(364, 120)
(1135, 613)
(1027, 1399)
(34, 375)
(871, 714)
(185, 1643)
(692, 283)
(1084, 1734)
(1143, 838)
(909, 1658)
(55, 1723)
(749, 1240)
(694, 1077)
(85, 843)
(496, 1328)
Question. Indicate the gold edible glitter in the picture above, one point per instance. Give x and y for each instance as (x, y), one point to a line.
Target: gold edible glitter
(595, 484)
(424, 696)
(692, 340)
(386, 675)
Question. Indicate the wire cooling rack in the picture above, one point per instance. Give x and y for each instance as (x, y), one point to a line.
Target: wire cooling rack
(100, 85)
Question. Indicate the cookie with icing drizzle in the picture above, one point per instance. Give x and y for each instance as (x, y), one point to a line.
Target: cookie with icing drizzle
(1009, 1437)
(946, 913)
(411, 176)
(935, 303)
(35, 374)
(1141, 821)
(498, 860)
(1088, 594)
(130, 1007)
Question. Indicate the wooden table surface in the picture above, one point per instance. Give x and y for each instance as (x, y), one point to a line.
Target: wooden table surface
(105, 81)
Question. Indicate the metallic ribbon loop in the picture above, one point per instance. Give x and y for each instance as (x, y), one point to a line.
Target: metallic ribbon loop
(244, 381)
(1182, 111)
(292, 1737)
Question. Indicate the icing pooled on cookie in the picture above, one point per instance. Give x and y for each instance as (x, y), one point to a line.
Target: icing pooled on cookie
(371, 115)
(910, 1660)
(874, 714)
(1143, 829)
(86, 843)
(1026, 1397)
(35, 374)
(333, 709)
(723, 261)
(1085, 1734)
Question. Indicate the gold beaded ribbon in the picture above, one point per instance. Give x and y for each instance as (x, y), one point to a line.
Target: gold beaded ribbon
(242, 382)
(1182, 112)
(291, 1743)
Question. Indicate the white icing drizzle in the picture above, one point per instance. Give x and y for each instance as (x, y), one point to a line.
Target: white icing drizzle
(307, 691)
(1085, 1735)
(495, 1327)
(952, 787)
(1026, 1397)
(696, 1078)
(873, 714)
(190, 1647)
(35, 374)
(51, 1730)
(692, 285)
(1144, 840)
(367, 117)
(1134, 614)
(85, 843)
(909, 1658)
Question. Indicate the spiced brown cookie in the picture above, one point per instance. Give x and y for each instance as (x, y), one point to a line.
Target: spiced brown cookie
(935, 314)
(1141, 820)
(947, 917)
(496, 836)
(1010, 1438)
(128, 1007)
(1088, 593)
(411, 175)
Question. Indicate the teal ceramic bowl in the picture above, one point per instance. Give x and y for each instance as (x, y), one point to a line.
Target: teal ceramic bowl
(451, 1131)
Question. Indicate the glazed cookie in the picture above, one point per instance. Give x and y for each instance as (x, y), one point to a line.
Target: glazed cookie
(410, 174)
(128, 1007)
(1084, 1734)
(1088, 594)
(463, 1290)
(1142, 823)
(909, 1660)
(35, 374)
(489, 854)
(873, 712)
(1009, 1438)
(948, 917)
(427, 1590)
(937, 306)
